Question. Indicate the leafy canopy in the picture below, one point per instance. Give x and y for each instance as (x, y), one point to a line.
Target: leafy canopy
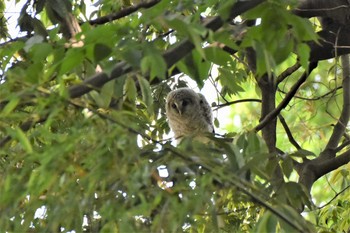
(84, 141)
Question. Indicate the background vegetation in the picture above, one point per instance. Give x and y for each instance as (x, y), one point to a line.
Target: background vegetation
(85, 146)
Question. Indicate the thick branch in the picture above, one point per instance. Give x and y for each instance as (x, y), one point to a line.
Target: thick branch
(332, 43)
(267, 86)
(329, 165)
(337, 10)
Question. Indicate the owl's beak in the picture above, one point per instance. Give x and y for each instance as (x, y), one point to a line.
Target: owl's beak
(179, 109)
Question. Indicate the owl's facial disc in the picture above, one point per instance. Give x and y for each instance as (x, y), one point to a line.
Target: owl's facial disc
(180, 106)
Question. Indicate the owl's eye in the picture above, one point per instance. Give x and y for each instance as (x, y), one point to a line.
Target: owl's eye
(185, 103)
(173, 106)
(201, 101)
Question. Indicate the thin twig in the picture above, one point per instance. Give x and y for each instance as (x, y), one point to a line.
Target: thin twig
(333, 198)
(289, 133)
(331, 92)
(272, 115)
(288, 72)
(124, 12)
(339, 128)
(236, 102)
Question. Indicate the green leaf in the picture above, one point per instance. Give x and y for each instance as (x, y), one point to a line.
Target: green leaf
(10, 106)
(146, 94)
(253, 145)
(130, 90)
(303, 50)
(217, 56)
(106, 94)
(216, 122)
(101, 51)
(303, 28)
(132, 56)
(22, 138)
(39, 52)
(194, 32)
(267, 223)
(109, 227)
(34, 72)
(194, 66)
(101, 34)
(73, 58)
(241, 141)
(58, 9)
(230, 81)
(154, 66)
(287, 166)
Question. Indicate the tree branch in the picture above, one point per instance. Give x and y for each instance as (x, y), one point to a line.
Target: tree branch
(272, 115)
(328, 165)
(339, 128)
(289, 133)
(236, 102)
(288, 72)
(333, 198)
(327, 160)
(342, 146)
(331, 92)
(123, 12)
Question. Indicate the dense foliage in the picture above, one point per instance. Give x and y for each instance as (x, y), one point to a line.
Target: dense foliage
(85, 146)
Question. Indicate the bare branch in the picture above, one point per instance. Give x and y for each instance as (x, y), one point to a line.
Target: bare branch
(236, 102)
(288, 72)
(333, 198)
(331, 92)
(342, 146)
(289, 133)
(272, 115)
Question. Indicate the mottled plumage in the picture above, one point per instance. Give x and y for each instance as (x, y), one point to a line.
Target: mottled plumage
(188, 113)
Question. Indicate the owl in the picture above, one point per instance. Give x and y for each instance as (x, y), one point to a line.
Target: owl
(188, 113)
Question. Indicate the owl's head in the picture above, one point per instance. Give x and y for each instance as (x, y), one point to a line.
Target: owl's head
(182, 101)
